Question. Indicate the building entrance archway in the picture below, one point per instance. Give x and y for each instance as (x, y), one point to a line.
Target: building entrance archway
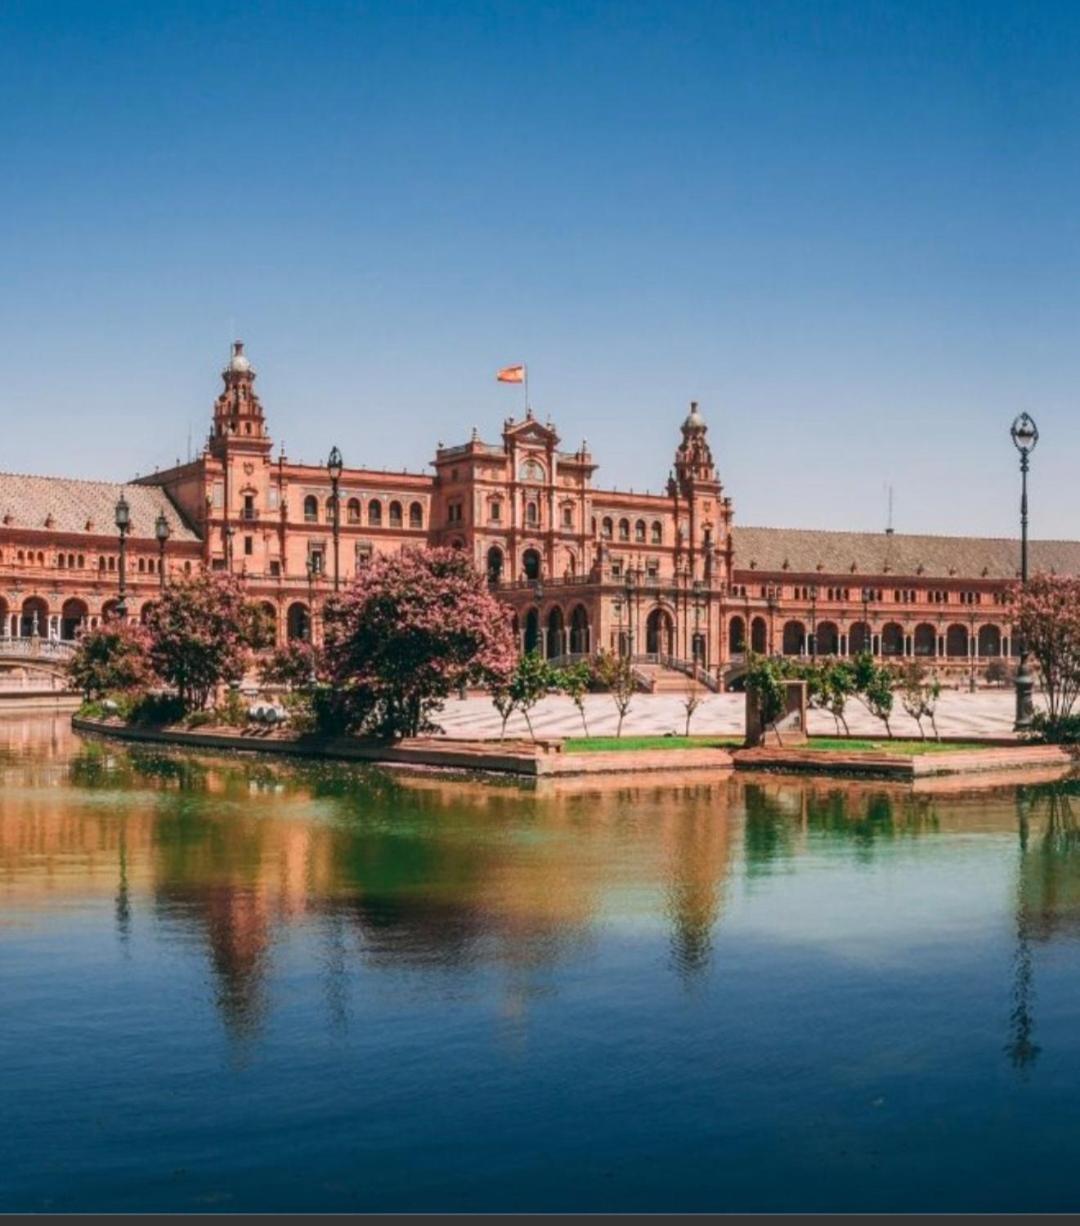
(660, 633)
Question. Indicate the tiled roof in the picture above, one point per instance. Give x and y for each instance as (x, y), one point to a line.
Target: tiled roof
(86, 507)
(807, 552)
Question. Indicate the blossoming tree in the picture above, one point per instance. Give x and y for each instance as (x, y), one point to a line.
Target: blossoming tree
(413, 628)
(199, 635)
(1047, 618)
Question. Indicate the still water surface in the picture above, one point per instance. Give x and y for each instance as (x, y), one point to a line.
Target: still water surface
(233, 985)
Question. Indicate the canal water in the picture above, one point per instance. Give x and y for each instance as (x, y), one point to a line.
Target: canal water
(228, 984)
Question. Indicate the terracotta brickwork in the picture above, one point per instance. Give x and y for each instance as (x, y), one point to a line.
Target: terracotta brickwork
(582, 566)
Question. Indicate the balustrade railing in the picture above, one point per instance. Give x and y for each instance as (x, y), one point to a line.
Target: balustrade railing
(35, 647)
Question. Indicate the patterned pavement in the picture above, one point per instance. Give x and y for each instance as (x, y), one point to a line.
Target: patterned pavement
(987, 713)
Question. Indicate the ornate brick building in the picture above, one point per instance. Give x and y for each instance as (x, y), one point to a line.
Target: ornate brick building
(667, 576)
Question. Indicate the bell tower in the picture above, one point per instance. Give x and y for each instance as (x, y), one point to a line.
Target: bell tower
(702, 513)
(694, 468)
(239, 424)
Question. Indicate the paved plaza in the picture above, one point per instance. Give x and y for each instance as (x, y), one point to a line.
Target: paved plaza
(986, 713)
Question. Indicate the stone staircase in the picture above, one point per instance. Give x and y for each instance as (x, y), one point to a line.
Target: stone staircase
(659, 679)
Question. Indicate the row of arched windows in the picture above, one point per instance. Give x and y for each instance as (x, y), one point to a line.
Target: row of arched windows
(395, 514)
(655, 533)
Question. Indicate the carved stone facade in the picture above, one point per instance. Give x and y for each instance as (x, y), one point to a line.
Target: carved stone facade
(583, 567)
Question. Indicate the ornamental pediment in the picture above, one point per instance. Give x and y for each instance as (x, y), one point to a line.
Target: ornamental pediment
(531, 431)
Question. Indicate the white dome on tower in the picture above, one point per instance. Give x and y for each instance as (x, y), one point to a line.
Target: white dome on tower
(238, 363)
(694, 420)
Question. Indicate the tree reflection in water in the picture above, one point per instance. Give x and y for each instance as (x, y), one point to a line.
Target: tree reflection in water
(422, 874)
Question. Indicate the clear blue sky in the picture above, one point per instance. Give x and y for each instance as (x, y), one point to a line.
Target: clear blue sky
(849, 229)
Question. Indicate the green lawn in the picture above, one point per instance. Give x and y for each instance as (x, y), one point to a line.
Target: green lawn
(601, 744)
(827, 745)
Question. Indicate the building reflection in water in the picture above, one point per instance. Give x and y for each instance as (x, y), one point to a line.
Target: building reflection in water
(418, 873)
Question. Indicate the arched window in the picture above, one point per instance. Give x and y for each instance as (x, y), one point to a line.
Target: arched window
(532, 513)
(736, 636)
(395, 515)
(352, 510)
(657, 532)
(374, 513)
(416, 515)
(639, 531)
(606, 528)
(494, 564)
(330, 510)
(624, 529)
(311, 509)
(530, 561)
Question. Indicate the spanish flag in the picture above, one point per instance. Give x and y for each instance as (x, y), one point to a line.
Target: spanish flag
(511, 374)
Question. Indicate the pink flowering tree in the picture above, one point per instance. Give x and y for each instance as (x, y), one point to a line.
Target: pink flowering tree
(199, 635)
(1046, 614)
(112, 658)
(413, 628)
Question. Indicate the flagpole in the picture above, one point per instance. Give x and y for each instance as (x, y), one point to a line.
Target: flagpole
(525, 368)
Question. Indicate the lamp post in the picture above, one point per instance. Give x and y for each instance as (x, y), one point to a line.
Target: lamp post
(311, 600)
(334, 467)
(161, 531)
(618, 603)
(230, 532)
(697, 654)
(123, 526)
(772, 599)
(813, 621)
(868, 645)
(1025, 435)
(628, 587)
(971, 652)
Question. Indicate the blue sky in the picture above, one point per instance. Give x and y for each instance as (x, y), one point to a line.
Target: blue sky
(851, 230)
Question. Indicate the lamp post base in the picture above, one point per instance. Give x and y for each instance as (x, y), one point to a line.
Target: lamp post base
(1025, 707)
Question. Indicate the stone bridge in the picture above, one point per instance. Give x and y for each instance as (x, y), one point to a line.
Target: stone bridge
(34, 656)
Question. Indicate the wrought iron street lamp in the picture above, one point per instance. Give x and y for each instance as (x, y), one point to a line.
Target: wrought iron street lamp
(1025, 434)
(629, 584)
(772, 599)
(311, 572)
(868, 635)
(698, 648)
(971, 652)
(123, 526)
(813, 620)
(162, 532)
(334, 467)
(617, 603)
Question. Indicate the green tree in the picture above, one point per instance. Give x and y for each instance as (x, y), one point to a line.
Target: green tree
(919, 694)
(764, 680)
(616, 674)
(838, 684)
(575, 681)
(876, 692)
(529, 682)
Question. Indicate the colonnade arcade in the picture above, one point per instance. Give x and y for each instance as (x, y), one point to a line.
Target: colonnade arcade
(949, 640)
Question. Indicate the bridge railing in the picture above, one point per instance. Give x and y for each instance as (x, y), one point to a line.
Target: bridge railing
(34, 647)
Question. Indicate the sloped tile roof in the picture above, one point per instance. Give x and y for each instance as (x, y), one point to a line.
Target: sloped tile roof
(806, 551)
(86, 507)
